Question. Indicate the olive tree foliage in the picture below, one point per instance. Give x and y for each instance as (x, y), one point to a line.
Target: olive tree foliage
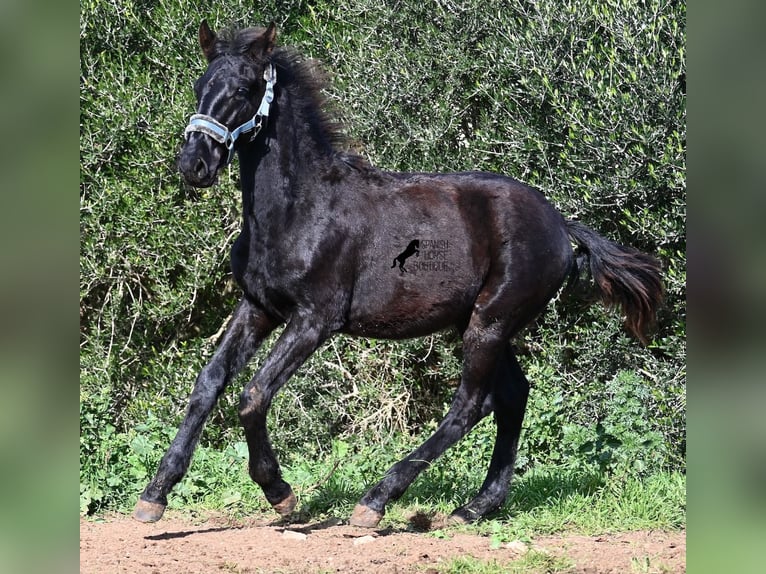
(584, 100)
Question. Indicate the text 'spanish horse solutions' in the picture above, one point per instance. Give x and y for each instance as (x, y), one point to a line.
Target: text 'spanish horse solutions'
(320, 229)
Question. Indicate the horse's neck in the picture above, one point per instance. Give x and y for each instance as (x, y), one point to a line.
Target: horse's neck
(275, 166)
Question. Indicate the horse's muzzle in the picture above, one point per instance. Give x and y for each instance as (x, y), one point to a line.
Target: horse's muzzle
(199, 163)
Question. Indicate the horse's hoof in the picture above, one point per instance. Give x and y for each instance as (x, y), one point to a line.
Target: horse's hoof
(285, 507)
(365, 517)
(456, 520)
(148, 511)
(462, 516)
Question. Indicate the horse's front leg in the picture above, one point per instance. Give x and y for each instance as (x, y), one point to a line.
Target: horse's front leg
(298, 341)
(247, 329)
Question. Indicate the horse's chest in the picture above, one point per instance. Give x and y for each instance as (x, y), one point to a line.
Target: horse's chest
(267, 275)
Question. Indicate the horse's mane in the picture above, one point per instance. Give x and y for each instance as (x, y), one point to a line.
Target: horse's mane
(306, 80)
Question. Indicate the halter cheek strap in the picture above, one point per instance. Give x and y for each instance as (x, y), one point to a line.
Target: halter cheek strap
(220, 133)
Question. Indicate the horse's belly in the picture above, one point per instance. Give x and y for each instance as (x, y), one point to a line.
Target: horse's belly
(412, 303)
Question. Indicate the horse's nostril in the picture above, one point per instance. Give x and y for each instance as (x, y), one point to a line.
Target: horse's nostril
(200, 167)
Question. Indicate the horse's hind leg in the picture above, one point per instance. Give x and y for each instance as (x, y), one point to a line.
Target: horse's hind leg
(509, 400)
(481, 344)
(244, 334)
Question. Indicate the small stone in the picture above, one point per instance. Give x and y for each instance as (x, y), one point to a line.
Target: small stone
(517, 546)
(293, 535)
(364, 540)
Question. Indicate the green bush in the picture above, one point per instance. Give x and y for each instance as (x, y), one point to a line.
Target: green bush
(584, 100)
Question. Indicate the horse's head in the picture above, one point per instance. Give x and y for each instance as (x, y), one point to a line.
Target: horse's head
(233, 97)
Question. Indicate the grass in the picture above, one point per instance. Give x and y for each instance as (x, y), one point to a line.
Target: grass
(544, 500)
(555, 500)
(531, 563)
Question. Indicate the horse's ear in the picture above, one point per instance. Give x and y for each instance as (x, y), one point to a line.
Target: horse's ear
(206, 39)
(264, 44)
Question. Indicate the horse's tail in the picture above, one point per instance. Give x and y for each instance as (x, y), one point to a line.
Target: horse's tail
(625, 277)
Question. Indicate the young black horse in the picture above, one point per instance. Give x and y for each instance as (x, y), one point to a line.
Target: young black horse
(320, 230)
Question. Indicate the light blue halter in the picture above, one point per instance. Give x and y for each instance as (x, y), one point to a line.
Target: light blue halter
(220, 133)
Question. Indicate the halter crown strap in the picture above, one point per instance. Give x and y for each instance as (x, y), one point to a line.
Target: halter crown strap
(210, 126)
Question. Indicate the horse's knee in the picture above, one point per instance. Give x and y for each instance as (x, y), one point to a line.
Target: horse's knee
(207, 388)
(252, 402)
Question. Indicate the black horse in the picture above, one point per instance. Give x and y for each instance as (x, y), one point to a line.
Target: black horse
(314, 254)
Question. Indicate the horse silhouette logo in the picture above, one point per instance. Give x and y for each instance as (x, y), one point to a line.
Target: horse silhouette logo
(412, 249)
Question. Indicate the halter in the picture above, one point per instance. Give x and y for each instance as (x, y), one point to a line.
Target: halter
(220, 133)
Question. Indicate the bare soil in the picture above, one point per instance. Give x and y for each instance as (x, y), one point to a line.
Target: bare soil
(178, 544)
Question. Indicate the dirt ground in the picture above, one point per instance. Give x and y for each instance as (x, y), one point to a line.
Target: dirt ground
(178, 544)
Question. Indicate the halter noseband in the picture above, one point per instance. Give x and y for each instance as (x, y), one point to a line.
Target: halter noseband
(220, 133)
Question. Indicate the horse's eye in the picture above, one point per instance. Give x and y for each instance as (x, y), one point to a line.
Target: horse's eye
(243, 92)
